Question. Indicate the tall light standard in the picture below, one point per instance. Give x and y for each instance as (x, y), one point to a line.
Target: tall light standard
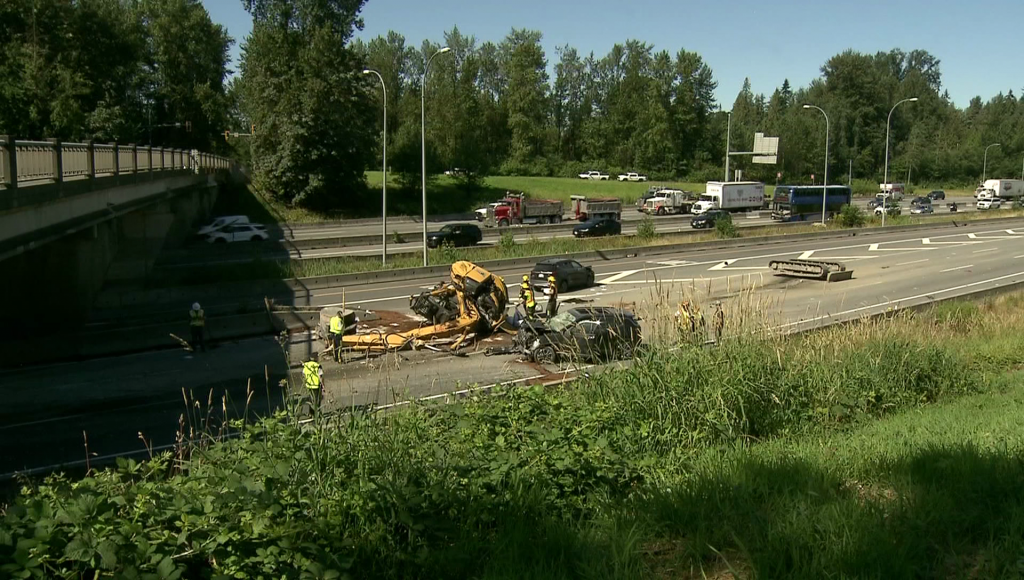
(885, 177)
(984, 168)
(423, 143)
(824, 183)
(384, 185)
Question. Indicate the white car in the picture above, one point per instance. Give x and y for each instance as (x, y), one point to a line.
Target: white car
(239, 233)
(632, 177)
(220, 222)
(595, 175)
(989, 203)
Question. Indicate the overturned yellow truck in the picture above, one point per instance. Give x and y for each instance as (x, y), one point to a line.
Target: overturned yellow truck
(474, 301)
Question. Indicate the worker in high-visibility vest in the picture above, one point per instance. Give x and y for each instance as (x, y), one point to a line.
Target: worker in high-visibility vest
(529, 302)
(686, 321)
(552, 297)
(337, 331)
(313, 375)
(197, 325)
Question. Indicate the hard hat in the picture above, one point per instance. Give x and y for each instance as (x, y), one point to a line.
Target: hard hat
(195, 306)
(526, 277)
(551, 278)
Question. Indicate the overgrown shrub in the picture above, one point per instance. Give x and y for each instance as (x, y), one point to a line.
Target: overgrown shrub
(646, 230)
(725, 228)
(850, 216)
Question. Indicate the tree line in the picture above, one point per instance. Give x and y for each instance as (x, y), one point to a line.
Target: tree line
(114, 70)
(126, 69)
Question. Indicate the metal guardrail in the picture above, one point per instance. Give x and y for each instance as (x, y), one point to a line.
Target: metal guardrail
(28, 163)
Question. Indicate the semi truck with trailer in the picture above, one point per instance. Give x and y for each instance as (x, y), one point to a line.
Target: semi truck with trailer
(731, 196)
(792, 203)
(516, 209)
(670, 201)
(586, 208)
(1004, 189)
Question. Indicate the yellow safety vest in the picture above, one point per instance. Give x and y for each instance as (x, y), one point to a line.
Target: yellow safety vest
(336, 327)
(530, 302)
(311, 372)
(197, 317)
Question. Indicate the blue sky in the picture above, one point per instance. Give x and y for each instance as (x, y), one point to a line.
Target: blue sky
(765, 41)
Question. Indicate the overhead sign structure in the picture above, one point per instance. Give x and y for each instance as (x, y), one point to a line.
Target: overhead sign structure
(766, 149)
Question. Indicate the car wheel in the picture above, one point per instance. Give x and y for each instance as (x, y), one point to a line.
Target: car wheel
(562, 286)
(545, 355)
(220, 241)
(590, 280)
(256, 239)
(623, 350)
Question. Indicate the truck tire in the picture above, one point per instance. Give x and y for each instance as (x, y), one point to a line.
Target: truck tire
(503, 224)
(661, 211)
(558, 219)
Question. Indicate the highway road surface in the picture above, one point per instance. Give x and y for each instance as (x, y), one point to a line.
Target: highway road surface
(199, 254)
(114, 400)
(629, 214)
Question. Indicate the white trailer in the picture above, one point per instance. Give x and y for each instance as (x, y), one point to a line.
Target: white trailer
(731, 196)
(1007, 189)
(893, 191)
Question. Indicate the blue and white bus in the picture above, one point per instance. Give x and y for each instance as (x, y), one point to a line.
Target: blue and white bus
(793, 203)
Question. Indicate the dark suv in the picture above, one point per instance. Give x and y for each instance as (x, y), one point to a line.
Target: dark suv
(597, 227)
(456, 235)
(590, 333)
(708, 218)
(937, 194)
(569, 274)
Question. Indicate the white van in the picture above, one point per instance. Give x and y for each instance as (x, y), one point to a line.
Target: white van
(222, 221)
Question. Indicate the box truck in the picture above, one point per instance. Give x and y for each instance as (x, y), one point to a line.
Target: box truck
(731, 196)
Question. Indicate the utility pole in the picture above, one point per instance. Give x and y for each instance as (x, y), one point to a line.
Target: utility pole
(849, 179)
(728, 138)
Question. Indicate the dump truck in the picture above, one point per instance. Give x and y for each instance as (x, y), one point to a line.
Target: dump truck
(586, 208)
(516, 208)
(671, 201)
(472, 302)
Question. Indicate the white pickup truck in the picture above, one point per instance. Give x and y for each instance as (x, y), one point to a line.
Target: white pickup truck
(595, 175)
(632, 177)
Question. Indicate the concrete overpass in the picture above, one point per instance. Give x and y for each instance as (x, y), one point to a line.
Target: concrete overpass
(76, 215)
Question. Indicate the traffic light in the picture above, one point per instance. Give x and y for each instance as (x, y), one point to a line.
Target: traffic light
(226, 134)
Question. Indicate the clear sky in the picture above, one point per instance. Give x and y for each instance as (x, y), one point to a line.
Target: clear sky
(977, 41)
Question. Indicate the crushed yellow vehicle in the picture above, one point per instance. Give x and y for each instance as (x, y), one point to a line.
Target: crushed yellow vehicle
(473, 301)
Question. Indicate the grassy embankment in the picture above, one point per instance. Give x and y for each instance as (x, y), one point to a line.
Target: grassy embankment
(889, 449)
(516, 246)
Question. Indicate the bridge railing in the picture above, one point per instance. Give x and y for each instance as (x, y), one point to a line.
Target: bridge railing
(27, 163)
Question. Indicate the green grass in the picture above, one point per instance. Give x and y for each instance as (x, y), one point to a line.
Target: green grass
(889, 449)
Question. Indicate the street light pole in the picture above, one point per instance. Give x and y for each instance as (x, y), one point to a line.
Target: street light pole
(384, 185)
(423, 144)
(984, 169)
(885, 177)
(824, 183)
(728, 138)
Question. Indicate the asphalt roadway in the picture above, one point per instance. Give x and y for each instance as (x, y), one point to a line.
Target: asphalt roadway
(629, 214)
(119, 401)
(194, 255)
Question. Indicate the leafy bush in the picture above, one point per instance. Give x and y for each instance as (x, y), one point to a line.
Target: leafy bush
(507, 242)
(725, 228)
(646, 230)
(851, 216)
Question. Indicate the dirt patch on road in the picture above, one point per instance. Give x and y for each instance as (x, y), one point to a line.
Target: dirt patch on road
(390, 321)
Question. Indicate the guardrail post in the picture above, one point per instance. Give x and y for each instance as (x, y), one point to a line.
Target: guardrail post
(149, 152)
(90, 160)
(9, 161)
(117, 159)
(135, 157)
(58, 160)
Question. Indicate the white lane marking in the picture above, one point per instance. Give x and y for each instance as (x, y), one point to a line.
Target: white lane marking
(1018, 257)
(875, 248)
(928, 241)
(957, 268)
(914, 262)
(976, 236)
(985, 250)
(806, 255)
(725, 265)
(907, 299)
(618, 276)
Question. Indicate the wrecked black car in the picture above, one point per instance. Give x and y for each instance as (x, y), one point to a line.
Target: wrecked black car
(590, 334)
